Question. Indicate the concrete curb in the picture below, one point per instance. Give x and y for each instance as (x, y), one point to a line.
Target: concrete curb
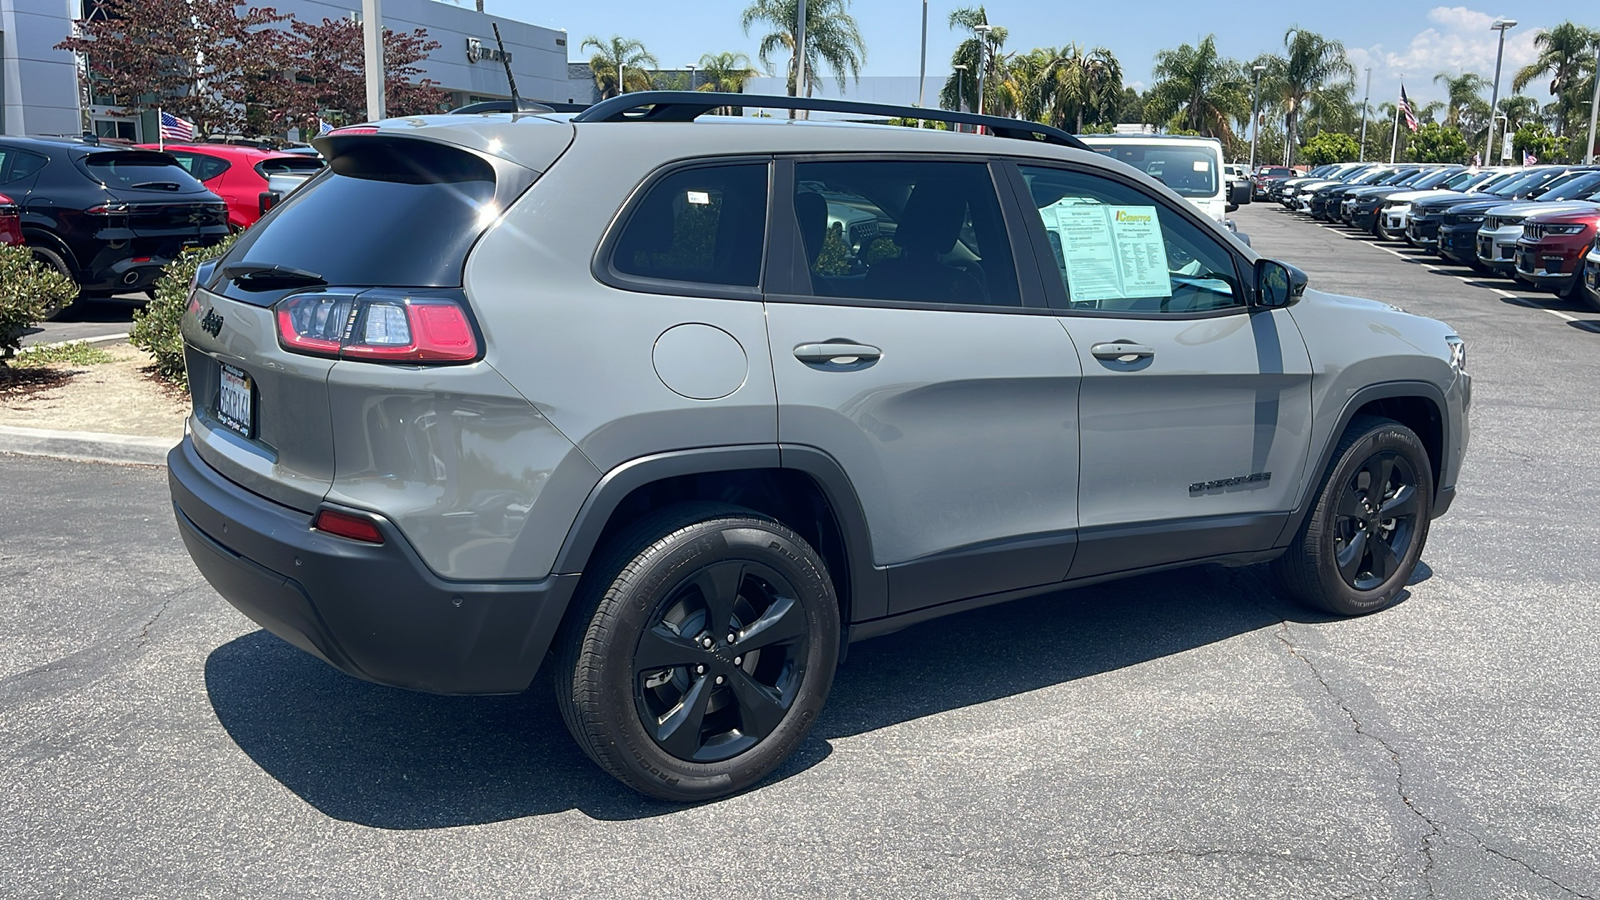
(98, 339)
(90, 446)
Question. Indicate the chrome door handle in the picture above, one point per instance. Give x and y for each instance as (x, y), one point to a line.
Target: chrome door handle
(1122, 351)
(832, 351)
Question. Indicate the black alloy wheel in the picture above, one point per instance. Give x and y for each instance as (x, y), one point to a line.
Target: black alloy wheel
(1368, 525)
(718, 666)
(1376, 520)
(699, 652)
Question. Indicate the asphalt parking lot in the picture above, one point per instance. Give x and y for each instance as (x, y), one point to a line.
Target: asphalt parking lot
(1188, 734)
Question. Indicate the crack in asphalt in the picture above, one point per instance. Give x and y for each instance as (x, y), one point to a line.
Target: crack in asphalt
(1530, 869)
(1435, 831)
(144, 631)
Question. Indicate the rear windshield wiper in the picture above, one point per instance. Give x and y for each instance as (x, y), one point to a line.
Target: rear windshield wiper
(159, 185)
(262, 277)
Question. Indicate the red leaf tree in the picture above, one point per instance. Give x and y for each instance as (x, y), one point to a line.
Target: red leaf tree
(331, 76)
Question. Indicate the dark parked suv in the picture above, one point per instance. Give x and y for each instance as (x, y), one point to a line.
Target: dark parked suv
(678, 405)
(108, 217)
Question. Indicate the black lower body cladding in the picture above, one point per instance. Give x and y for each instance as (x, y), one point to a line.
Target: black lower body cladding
(372, 611)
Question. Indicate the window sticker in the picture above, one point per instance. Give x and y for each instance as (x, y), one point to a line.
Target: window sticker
(1110, 252)
(699, 198)
(1202, 165)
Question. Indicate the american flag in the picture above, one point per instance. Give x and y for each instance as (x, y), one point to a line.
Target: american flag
(176, 129)
(1528, 159)
(1405, 107)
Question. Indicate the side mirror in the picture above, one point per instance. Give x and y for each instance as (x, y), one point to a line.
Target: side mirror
(1239, 193)
(1278, 284)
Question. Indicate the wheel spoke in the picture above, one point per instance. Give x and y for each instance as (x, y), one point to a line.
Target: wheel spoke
(660, 648)
(1402, 505)
(1384, 560)
(1350, 556)
(760, 710)
(1381, 475)
(1350, 504)
(719, 587)
(783, 621)
(680, 733)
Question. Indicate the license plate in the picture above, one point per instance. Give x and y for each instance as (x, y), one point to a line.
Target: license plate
(236, 401)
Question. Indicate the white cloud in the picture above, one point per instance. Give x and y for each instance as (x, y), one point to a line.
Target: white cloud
(1458, 40)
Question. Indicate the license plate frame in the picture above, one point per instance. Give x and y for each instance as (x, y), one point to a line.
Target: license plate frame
(236, 400)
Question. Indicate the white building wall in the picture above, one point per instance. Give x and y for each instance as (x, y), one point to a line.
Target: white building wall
(39, 84)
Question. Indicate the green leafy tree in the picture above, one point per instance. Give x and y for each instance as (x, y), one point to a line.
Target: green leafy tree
(627, 54)
(1329, 147)
(725, 73)
(1435, 143)
(1082, 87)
(1564, 51)
(965, 60)
(1466, 109)
(831, 37)
(1534, 138)
(1198, 89)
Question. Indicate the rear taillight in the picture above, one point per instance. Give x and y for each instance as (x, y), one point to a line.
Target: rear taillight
(386, 328)
(10, 221)
(345, 525)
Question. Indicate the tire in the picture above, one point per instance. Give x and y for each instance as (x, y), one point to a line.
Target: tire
(1346, 559)
(644, 696)
(1589, 297)
(57, 262)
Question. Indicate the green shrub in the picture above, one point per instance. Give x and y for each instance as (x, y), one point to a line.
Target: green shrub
(155, 328)
(76, 353)
(1329, 147)
(27, 290)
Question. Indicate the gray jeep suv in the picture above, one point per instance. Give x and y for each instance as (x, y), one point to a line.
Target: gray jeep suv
(680, 405)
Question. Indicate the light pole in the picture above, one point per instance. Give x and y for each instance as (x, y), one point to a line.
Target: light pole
(800, 50)
(1364, 101)
(1502, 26)
(372, 56)
(961, 97)
(982, 31)
(690, 67)
(922, 67)
(1594, 110)
(1255, 115)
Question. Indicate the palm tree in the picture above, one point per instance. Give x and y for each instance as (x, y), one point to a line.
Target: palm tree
(1084, 85)
(725, 73)
(629, 54)
(1199, 90)
(1520, 109)
(831, 37)
(1304, 71)
(967, 54)
(1563, 52)
(1466, 96)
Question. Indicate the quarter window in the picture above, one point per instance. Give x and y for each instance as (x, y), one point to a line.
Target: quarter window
(1118, 249)
(704, 225)
(922, 232)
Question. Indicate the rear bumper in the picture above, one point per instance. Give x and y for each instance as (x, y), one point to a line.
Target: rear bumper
(373, 611)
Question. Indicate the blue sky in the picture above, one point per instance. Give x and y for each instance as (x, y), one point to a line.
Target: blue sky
(1395, 38)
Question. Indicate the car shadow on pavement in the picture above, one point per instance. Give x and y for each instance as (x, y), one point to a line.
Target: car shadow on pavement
(390, 758)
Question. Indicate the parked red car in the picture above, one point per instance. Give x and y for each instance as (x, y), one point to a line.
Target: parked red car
(1550, 253)
(238, 174)
(10, 222)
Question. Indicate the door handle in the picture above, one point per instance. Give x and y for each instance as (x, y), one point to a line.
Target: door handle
(1122, 351)
(832, 351)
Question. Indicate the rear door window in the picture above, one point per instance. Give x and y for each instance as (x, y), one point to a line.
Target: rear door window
(704, 225)
(1191, 171)
(389, 212)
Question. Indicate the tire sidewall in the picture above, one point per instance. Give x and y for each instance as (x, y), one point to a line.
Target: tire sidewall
(1340, 594)
(659, 569)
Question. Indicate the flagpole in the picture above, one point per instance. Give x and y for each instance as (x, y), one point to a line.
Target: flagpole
(1394, 143)
(161, 136)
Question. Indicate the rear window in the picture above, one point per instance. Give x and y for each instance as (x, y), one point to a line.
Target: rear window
(389, 212)
(299, 165)
(139, 170)
(1191, 171)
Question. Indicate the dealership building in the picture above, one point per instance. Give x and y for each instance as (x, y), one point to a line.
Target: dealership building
(39, 84)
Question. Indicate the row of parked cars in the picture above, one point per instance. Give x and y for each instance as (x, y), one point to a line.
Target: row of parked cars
(1537, 224)
(110, 215)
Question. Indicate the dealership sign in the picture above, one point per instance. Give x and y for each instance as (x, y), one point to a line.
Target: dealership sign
(478, 52)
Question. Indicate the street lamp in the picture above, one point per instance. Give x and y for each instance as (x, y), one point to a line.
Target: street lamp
(1364, 102)
(1255, 115)
(1502, 26)
(922, 67)
(982, 31)
(690, 67)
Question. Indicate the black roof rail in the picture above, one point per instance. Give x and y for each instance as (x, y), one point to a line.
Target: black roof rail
(686, 106)
(528, 106)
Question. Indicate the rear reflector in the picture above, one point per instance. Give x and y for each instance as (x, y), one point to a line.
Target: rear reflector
(385, 328)
(345, 525)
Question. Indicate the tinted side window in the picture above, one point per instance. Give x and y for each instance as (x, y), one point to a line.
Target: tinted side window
(16, 165)
(706, 224)
(925, 232)
(202, 167)
(1121, 250)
